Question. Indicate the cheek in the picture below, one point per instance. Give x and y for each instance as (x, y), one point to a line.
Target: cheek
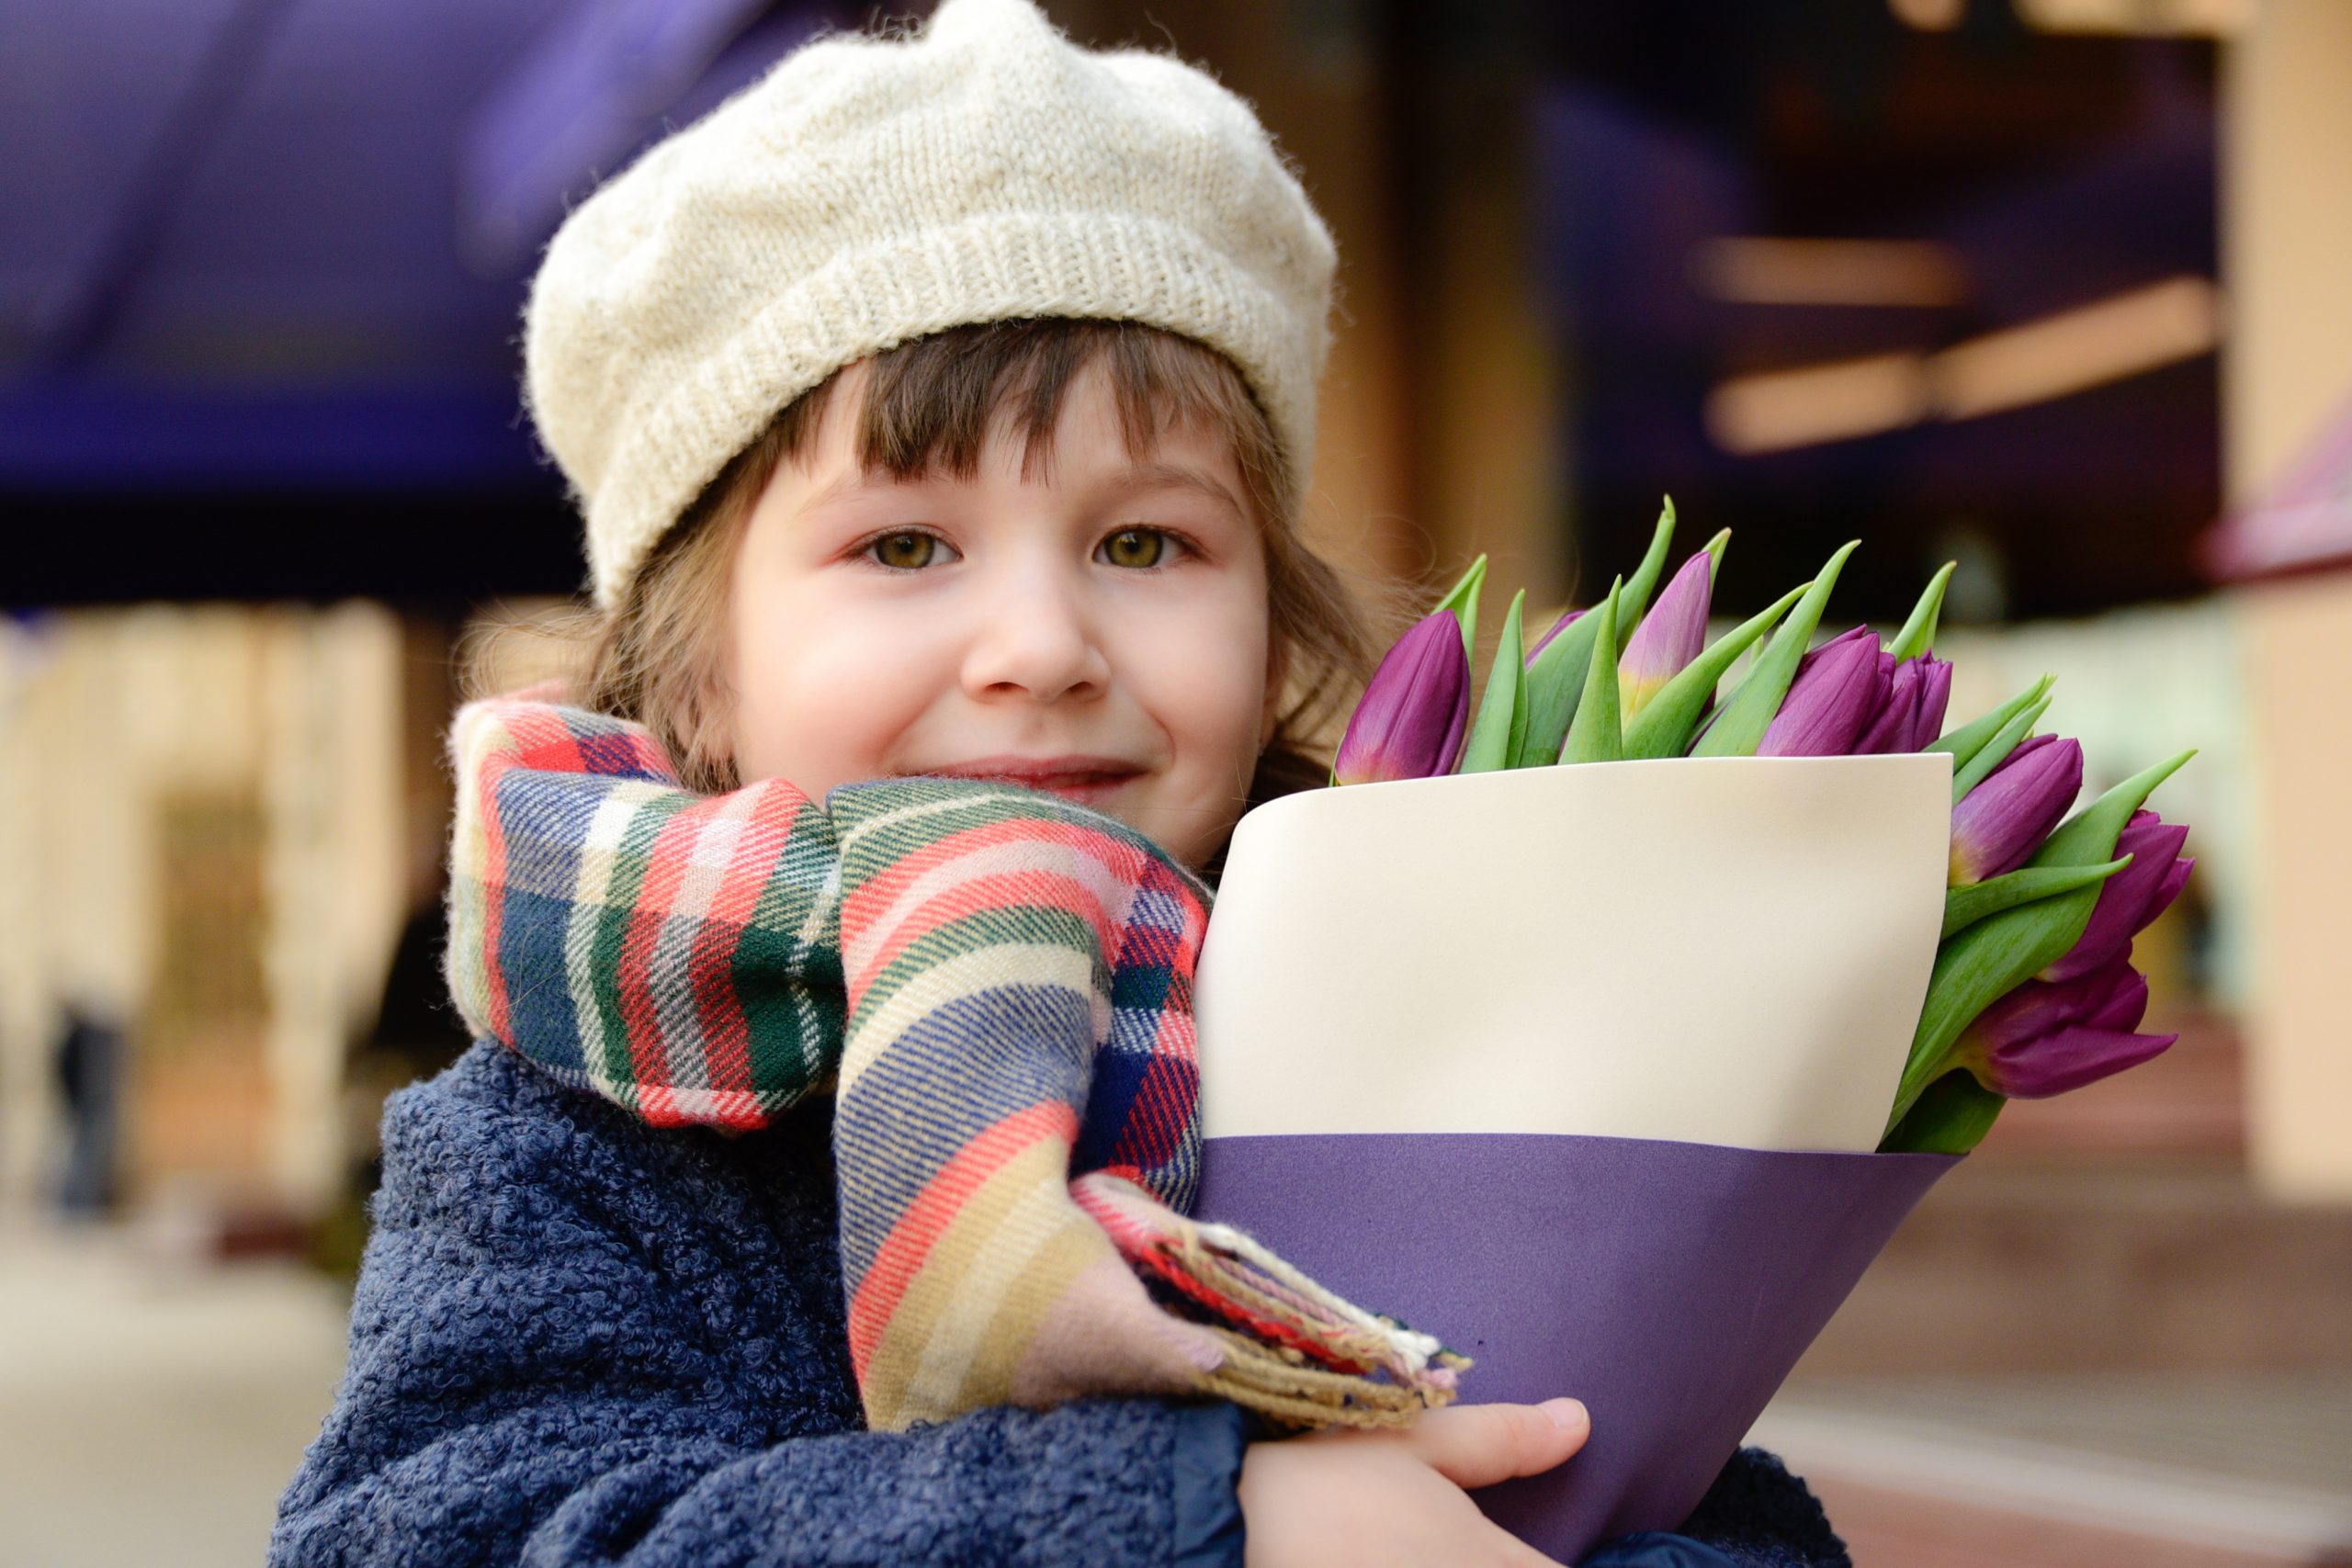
(819, 699)
(1208, 680)
(1206, 690)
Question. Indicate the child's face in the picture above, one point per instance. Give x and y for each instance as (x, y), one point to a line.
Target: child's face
(1098, 628)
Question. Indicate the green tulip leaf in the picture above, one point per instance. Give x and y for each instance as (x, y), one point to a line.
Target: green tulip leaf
(2090, 835)
(1994, 752)
(1663, 727)
(1556, 677)
(1979, 965)
(1950, 1118)
(1594, 736)
(1714, 548)
(1500, 711)
(1549, 690)
(1636, 596)
(1750, 711)
(1970, 738)
(1919, 633)
(1463, 600)
(1963, 907)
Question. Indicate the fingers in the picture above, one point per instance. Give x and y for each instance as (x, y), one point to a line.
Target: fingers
(1478, 1445)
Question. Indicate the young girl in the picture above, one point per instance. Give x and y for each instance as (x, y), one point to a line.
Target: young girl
(939, 409)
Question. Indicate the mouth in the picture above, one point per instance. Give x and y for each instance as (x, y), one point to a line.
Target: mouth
(1085, 779)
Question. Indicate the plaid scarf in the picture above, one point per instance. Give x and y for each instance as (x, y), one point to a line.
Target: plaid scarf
(996, 983)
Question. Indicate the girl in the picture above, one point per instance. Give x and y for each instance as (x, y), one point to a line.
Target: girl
(939, 409)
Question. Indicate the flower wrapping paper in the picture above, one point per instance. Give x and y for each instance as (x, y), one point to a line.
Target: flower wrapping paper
(1669, 1286)
(1579, 1069)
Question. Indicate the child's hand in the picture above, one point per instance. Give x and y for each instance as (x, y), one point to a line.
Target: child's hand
(1399, 1500)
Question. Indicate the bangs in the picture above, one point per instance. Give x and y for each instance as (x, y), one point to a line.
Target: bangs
(929, 405)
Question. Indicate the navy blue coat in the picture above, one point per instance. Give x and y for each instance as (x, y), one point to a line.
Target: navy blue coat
(581, 1340)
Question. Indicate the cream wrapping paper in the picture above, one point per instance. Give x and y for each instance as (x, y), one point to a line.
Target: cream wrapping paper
(1726, 950)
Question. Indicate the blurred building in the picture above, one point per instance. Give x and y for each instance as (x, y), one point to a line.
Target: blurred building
(2288, 545)
(203, 815)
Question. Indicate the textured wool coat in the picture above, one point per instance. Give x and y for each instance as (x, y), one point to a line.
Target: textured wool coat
(578, 1339)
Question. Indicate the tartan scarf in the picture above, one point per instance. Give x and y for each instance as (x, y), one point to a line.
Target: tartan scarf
(996, 984)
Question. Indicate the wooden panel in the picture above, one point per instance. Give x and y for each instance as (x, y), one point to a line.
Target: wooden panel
(199, 1083)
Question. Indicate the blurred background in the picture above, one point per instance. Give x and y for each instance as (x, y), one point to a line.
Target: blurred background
(2056, 289)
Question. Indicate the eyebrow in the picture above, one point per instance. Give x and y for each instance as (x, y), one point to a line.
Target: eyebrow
(840, 486)
(1175, 476)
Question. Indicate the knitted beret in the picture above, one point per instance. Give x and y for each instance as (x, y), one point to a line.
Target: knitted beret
(867, 191)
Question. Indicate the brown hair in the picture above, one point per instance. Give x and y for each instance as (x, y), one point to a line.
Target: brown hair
(657, 657)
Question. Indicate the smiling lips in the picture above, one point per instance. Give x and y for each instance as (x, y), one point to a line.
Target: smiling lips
(1081, 778)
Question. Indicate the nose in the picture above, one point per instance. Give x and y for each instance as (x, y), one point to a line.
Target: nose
(1035, 636)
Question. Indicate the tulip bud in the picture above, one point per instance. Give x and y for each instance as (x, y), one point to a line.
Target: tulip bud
(2044, 1038)
(1664, 728)
(1669, 637)
(2132, 898)
(1891, 720)
(1837, 687)
(1935, 702)
(1997, 825)
(1739, 725)
(1633, 597)
(1916, 690)
(1411, 722)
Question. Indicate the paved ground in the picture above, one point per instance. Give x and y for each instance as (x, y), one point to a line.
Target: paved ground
(2084, 1471)
(149, 1416)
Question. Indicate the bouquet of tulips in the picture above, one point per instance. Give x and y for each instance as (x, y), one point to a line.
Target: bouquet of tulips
(2033, 992)
(1607, 1025)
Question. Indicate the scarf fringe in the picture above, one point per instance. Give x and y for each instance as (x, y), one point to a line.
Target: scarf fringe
(1280, 1385)
(1295, 1350)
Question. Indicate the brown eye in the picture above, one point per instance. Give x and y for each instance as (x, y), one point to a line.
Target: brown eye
(1137, 548)
(907, 552)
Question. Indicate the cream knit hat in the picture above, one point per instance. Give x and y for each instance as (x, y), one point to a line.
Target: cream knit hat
(869, 191)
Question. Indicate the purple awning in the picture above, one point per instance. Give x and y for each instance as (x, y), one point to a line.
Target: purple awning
(255, 244)
(587, 93)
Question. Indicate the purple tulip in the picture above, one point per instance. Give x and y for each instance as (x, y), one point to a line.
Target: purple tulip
(1999, 824)
(1935, 701)
(2045, 1038)
(1670, 635)
(1918, 691)
(1411, 722)
(2132, 898)
(1837, 687)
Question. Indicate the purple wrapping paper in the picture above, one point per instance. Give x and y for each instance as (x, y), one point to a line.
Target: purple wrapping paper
(1669, 1286)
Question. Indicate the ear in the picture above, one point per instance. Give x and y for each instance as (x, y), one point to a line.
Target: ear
(1277, 672)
